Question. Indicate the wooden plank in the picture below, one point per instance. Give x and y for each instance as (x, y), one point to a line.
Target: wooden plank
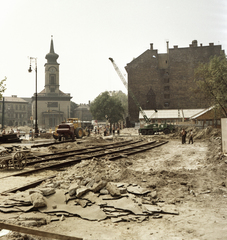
(35, 232)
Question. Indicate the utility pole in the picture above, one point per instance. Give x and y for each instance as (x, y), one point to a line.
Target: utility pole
(3, 112)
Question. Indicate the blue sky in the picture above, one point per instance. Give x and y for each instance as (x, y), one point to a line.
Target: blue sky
(87, 32)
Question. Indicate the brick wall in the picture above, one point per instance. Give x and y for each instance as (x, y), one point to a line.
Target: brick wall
(165, 81)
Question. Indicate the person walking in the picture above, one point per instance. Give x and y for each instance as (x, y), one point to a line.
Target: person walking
(113, 130)
(190, 137)
(183, 134)
(118, 131)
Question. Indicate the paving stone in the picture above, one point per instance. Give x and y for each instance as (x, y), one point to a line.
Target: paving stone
(81, 202)
(98, 186)
(123, 190)
(47, 191)
(104, 192)
(113, 190)
(81, 191)
(73, 188)
(38, 200)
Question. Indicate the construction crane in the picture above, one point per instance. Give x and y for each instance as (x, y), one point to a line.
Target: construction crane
(147, 120)
(148, 128)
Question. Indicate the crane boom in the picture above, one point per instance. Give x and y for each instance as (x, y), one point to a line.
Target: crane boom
(129, 90)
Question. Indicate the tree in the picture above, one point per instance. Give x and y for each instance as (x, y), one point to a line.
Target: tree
(73, 105)
(106, 105)
(124, 100)
(2, 87)
(211, 79)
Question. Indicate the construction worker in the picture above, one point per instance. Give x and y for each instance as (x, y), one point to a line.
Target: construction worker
(183, 134)
(190, 137)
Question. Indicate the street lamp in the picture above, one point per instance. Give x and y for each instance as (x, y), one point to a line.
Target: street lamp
(30, 70)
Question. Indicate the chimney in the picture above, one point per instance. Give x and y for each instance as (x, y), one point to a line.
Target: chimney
(151, 46)
(194, 43)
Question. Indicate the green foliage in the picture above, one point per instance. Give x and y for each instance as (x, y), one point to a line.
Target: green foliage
(2, 87)
(106, 105)
(124, 100)
(211, 79)
(73, 105)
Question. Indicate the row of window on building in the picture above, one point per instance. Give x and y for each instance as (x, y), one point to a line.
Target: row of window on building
(16, 115)
(11, 106)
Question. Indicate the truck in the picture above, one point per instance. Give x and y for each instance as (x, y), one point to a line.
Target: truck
(149, 128)
(65, 129)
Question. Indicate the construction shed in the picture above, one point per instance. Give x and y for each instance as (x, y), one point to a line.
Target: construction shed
(174, 116)
(208, 117)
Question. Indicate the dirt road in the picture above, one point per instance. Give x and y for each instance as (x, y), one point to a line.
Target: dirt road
(190, 178)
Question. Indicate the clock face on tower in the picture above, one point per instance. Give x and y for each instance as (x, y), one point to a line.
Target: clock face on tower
(52, 70)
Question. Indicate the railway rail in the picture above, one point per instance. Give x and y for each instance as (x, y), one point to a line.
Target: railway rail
(110, 151)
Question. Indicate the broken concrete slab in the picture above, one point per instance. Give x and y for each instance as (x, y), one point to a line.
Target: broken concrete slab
(82, 202)
(126, 204)
(37, 216)
(11, 215)
(91, 183)
(119, 185)
(151, 208)
(166, 209)
(113, 190)
(47, 191)
(32, 223)
(138, 219)
(137, 190)
(109, 197)
(123, 190)
(116, 214)
(92, 213)
(119, 219)
(98, 186)
(38, 200)
(104, 192)
(81, 191)
(25, 208)
(9, 210)
(170, 209)
(94, 198)
(72, 189)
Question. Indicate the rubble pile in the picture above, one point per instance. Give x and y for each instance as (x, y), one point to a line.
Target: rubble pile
(94, 201)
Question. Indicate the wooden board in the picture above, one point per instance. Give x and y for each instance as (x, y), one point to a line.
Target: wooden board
(36, 232)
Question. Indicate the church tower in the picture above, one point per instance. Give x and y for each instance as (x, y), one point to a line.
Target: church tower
(53, 104)
(52, 72)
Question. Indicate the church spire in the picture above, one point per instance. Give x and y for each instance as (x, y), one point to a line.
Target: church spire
(52, 56)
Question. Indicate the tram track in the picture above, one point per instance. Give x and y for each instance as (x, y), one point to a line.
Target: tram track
(115, 151)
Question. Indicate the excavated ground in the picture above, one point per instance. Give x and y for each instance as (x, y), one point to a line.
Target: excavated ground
(189, 177)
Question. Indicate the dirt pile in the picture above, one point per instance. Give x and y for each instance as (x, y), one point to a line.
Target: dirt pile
(199, 133)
